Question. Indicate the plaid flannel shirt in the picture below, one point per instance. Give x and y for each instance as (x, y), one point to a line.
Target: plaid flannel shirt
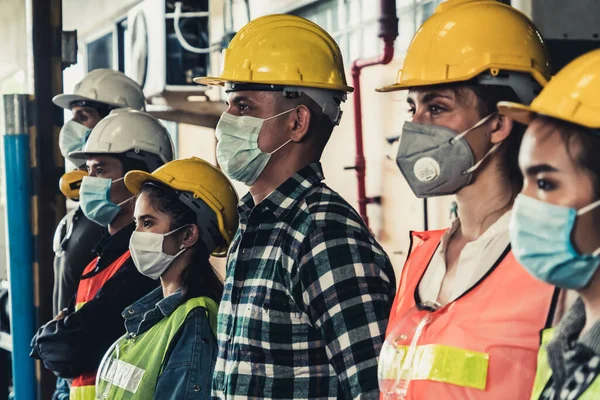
(307, 297)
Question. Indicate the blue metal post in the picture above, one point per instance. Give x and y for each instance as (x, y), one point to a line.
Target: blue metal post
(19, 240)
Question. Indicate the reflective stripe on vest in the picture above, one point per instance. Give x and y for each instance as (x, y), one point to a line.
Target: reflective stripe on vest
(442, 364)
(82, 387)
(544, 372)
(482, 345)
(132, 368)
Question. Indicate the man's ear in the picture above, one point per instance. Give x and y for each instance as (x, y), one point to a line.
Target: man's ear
(301, 123)
(502, 128)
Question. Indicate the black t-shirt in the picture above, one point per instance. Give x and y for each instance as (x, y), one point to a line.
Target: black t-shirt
(74, 241)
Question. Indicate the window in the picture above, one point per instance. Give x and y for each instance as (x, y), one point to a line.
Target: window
(354, 23)
(100, 52)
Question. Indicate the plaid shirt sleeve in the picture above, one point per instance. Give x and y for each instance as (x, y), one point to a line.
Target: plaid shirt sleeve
(345, 283)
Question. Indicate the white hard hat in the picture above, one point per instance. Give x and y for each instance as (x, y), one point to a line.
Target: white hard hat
(135, 134)
(106, 86)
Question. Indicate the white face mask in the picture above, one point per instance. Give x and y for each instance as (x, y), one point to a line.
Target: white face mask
(237, 148)
(148, 255)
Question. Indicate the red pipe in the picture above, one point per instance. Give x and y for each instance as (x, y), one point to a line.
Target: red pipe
(388, 32)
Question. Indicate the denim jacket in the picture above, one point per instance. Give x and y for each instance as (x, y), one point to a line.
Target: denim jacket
(189, 364)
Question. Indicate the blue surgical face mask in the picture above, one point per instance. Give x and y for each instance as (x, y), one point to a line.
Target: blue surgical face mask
(540, 235)
(72, 137)
(94, 199)
(237, 148)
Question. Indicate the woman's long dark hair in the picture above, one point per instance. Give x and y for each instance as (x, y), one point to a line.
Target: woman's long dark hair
(199, 277)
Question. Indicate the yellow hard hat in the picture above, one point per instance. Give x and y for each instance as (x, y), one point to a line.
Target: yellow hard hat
(571, 95)
(198, 184)
(282, 50)
(70, 183)
(465, 38)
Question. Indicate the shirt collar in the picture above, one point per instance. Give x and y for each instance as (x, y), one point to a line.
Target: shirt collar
(283, 199)
(144, 313)
(573, 323)
(170, 303)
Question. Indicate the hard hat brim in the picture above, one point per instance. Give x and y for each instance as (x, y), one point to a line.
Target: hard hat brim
(65, 100)
(84, 155)
(134, 180)
(516, 111)
(408, 85)
(417, 83)
(216, 81)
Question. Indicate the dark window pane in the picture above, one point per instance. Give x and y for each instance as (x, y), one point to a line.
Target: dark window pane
(100, 53)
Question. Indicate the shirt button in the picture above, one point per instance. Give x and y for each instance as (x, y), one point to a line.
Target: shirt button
(196, 388)
(131, 311)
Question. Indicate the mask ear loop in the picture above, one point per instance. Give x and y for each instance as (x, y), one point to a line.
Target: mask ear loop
(126, 201)
(280, 147)
(121, 204)
(182, 247)
(280, 114)
(477, 125)
(489, 153)
(586, 210)
(275, 116)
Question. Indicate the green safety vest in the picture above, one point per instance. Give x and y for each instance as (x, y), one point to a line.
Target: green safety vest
(131, 368)
(544, 372)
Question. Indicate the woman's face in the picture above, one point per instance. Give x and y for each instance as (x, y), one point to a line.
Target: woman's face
(456, 110)
(553, 175)
(148, 219)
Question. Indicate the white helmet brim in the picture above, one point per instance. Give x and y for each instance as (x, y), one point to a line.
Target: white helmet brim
(65, 101)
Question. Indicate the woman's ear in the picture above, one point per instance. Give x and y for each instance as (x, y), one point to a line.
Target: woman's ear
(191, 235)
(502, 127)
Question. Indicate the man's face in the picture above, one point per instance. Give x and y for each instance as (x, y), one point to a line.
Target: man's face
(109, 167)
(87, 116)
(274, 132)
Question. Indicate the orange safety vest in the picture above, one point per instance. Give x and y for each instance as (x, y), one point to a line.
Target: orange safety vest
(484, 344)
(83, 387)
